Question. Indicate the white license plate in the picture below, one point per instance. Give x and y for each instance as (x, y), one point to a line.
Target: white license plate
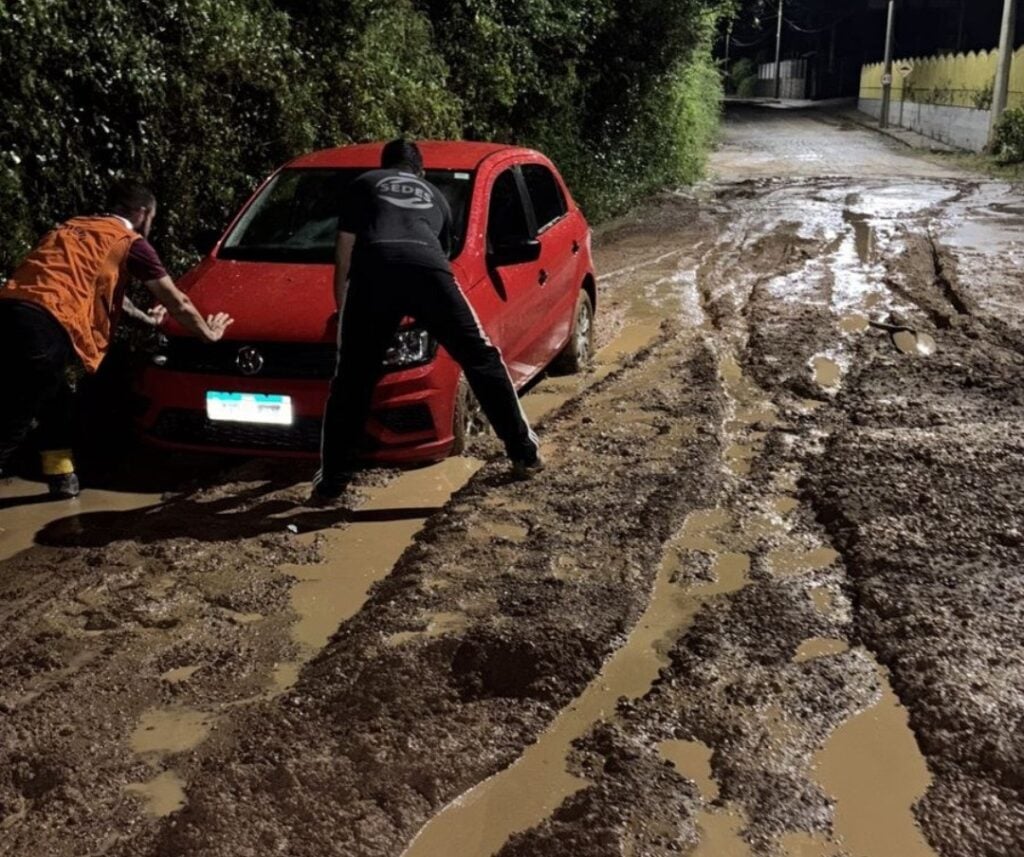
(249, 408)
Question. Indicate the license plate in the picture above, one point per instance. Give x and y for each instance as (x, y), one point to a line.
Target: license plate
(249, 408)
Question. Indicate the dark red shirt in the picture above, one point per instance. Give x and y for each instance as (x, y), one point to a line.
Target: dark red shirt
(143, 263)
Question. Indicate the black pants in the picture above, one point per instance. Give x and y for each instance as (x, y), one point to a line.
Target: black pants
(377, 302)
(35, 355)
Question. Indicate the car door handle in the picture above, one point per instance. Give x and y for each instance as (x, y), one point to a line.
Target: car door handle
(543, 278)
(575, 247)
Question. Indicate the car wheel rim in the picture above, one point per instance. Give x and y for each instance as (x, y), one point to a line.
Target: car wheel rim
(474, 423)
(583, 333)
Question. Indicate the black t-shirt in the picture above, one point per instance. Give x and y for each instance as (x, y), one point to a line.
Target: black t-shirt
(398, 219)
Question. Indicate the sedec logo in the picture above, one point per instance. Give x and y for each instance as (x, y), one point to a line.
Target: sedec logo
(405, 192)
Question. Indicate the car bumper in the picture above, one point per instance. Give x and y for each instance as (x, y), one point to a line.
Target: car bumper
(410, 414)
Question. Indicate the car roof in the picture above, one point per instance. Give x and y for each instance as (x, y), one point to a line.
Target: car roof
(436, 155)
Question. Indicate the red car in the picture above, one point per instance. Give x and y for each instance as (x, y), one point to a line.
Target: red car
(521, 253)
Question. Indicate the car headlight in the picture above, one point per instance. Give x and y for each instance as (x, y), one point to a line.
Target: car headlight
(412, 346)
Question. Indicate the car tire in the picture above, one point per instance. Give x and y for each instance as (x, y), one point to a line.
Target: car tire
(579, 350)
(468, 420)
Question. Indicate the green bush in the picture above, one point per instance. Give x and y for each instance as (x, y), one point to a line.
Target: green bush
(1009, 136)
(742, 71)
(747, 87)
(203, 98)
(982, 98)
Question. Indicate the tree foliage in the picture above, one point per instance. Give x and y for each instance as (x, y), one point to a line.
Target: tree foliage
(202, 98)
(1009, 137)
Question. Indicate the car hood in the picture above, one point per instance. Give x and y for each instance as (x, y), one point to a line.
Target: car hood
(270, 302)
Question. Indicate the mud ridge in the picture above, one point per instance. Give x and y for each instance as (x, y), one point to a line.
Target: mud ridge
(931, 557)
(731, 685)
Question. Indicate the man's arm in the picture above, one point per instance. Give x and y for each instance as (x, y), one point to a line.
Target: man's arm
(152, 318)
(183, 311)
(342, 267)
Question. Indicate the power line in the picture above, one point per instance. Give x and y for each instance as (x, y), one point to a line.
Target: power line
(800, 29)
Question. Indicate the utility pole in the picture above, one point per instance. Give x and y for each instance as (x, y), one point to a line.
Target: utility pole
(887, 71)
(832, 49)
(728, 42)
(778, 54)
(1002, 82)
(960, 27)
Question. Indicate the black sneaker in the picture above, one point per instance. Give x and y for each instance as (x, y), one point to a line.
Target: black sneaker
(325, 493)
(523, 469)
(63, 487)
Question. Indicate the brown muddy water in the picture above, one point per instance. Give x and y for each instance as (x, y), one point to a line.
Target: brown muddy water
(823, 664)
(477, 823)
(20, 522)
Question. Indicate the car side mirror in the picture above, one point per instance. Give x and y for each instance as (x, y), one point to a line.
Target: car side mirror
(514, 252)
(206, 240)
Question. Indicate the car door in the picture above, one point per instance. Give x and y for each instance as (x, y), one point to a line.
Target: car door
(513, 286)
(553, 296)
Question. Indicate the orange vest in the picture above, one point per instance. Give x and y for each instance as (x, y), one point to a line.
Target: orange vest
(75, 274)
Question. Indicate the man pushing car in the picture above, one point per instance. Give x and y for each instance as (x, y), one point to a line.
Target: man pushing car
(59, 311)
(391, 261)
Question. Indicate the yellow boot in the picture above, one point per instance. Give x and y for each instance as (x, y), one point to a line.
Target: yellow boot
(59, 470)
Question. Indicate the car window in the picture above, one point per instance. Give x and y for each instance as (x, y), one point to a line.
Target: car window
(545, 194)
(456, 186)
(295, 217)
(506, 217)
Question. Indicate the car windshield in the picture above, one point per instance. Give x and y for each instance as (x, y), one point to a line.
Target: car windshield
(295, 217)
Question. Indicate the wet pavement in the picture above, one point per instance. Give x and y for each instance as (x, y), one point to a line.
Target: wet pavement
(764, 600)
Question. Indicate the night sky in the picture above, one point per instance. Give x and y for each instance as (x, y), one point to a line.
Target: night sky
(923, 28)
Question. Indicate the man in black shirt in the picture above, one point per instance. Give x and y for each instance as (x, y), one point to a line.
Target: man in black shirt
(392, 262)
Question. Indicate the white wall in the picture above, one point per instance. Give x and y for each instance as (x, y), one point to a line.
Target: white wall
(963, 127)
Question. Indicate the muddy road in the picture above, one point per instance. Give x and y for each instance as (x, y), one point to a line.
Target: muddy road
(766, 599)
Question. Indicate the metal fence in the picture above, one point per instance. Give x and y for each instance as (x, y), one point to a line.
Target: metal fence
(792, 79)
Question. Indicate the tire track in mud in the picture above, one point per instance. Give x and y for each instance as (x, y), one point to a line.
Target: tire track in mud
(358, 736)
(770, 702)
(912, 478)
(920, 486)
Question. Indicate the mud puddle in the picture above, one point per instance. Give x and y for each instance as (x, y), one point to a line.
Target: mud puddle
(25, 509)
(693, 760)
(170, 730)
(914, 343)
(864, 235)
(826, 372)
(873, 748)
(478, 822)
(163, 795)
(719, 827)
(365, 551)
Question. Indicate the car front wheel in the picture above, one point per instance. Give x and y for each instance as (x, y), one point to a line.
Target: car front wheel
(579, 350)
(469, 420)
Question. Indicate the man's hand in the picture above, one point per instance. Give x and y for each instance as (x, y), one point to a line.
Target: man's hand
(218, 323)
(151, 318)
(183, 311)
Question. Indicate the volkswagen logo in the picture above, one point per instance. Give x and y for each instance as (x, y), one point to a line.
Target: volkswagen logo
(249, 361)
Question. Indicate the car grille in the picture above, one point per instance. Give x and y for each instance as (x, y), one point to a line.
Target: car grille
(193, 427)
(280, 359)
